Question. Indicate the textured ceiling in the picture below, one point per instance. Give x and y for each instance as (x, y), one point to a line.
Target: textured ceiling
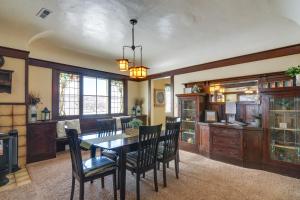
(174, 33)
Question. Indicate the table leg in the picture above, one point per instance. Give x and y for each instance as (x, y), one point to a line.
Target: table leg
(122, 168)
(93, 151)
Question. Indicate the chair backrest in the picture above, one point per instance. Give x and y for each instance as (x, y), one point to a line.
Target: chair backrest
(125, 123)
(106, 127)
(75, 151)
(172, 119)
(171, 139)
(148, 145)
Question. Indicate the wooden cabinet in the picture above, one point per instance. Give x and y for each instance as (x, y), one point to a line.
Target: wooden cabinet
(204, 139)
(233, 144)
(227, 144)
(253, 148)
(190, 110)
(41, 141)
(281, 114)
(143, 118)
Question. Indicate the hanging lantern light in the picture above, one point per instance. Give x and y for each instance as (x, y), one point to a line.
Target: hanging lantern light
(132, 72)
(141, 71)
(123, 64)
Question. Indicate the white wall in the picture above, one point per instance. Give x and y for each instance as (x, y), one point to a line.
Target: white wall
(257, 67)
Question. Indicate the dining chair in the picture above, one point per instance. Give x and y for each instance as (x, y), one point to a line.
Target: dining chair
(144, 159)
(125, 123)
(170, 119)
(169, 150)
(90, 169)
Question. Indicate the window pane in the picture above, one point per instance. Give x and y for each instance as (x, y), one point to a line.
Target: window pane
(89, 105)
(102, 105)
(68, 94)
(168, 103)
(117, 96)
(89, 85)
(102, 87)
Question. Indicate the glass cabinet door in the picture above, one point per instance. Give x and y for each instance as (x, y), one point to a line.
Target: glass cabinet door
(188, 117)
(284, 126)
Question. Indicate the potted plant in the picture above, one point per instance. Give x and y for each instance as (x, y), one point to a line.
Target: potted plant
(33, 100)
(294, 72)
(135, 123)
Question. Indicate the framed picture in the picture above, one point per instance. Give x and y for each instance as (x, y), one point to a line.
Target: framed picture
(159, 97)
(210, 116)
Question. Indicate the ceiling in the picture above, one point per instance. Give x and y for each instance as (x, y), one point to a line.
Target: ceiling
(174, 33)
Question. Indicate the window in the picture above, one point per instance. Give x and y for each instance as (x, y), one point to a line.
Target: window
(168, 103)
(95, 96)
(117, 97)
(68, 94)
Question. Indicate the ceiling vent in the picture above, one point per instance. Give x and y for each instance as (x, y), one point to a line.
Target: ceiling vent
(43, 13)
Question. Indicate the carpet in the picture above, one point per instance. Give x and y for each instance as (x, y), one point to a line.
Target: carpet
(200, 178)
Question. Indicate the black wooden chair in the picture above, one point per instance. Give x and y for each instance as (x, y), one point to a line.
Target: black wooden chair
(88, 170)
(144, 159)
(169, 150)
(172, 119)
(125, 123)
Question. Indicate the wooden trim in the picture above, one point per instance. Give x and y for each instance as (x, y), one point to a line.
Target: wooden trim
(172, 96)
(274, 53)
(13, 53)
(75, 69)
(12, 103)
(149, 102)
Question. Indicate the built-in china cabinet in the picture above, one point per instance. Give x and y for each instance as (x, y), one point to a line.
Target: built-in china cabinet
(190, 109)
(281, 116)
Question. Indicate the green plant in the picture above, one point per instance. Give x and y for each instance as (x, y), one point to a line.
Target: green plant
(284, 103)
(293, 71)
(135, 123)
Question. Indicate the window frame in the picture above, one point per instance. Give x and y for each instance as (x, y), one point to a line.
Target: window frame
(109, 77)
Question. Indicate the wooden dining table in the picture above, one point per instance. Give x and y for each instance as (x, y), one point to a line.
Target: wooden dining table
(122, 143)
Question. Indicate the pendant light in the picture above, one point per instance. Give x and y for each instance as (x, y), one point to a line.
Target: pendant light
(135, 71)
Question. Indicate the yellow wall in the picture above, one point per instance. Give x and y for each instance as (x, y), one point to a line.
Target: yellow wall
(18, 81)
(158, 114)
(40, 83)
(137, 90)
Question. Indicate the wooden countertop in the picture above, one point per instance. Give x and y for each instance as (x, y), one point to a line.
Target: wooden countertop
(233, 126)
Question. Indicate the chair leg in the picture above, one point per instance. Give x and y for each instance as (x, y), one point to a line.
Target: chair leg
(168, 165)
(115, 185)
(158, 165)
(138, 186)
(73, 187)
(102, 182)
(176, 161)
(144, 175)
(155, 179)
(164, 174)
(119, 180)
(81, 190)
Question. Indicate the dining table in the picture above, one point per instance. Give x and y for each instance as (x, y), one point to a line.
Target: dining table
(122, 143)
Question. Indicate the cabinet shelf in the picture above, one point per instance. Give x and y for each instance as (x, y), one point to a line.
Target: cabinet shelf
(284, 129)
(284, 110)
(190, 133)
(188, 121)
(286, 147)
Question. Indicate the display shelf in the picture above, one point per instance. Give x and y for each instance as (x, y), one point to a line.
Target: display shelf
(188, 121)
(187, 132)
(286, 147)
(284, 110)
(285, 129)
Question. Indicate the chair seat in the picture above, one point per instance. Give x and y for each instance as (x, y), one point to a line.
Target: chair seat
(97, 165)
(110, 154)
(131, 159)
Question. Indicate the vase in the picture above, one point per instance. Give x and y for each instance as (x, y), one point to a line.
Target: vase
(32, 113)
(298, 80)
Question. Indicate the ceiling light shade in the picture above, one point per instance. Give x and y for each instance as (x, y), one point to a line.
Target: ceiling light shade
(123, 64)
(141, 71)
(132, 72)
